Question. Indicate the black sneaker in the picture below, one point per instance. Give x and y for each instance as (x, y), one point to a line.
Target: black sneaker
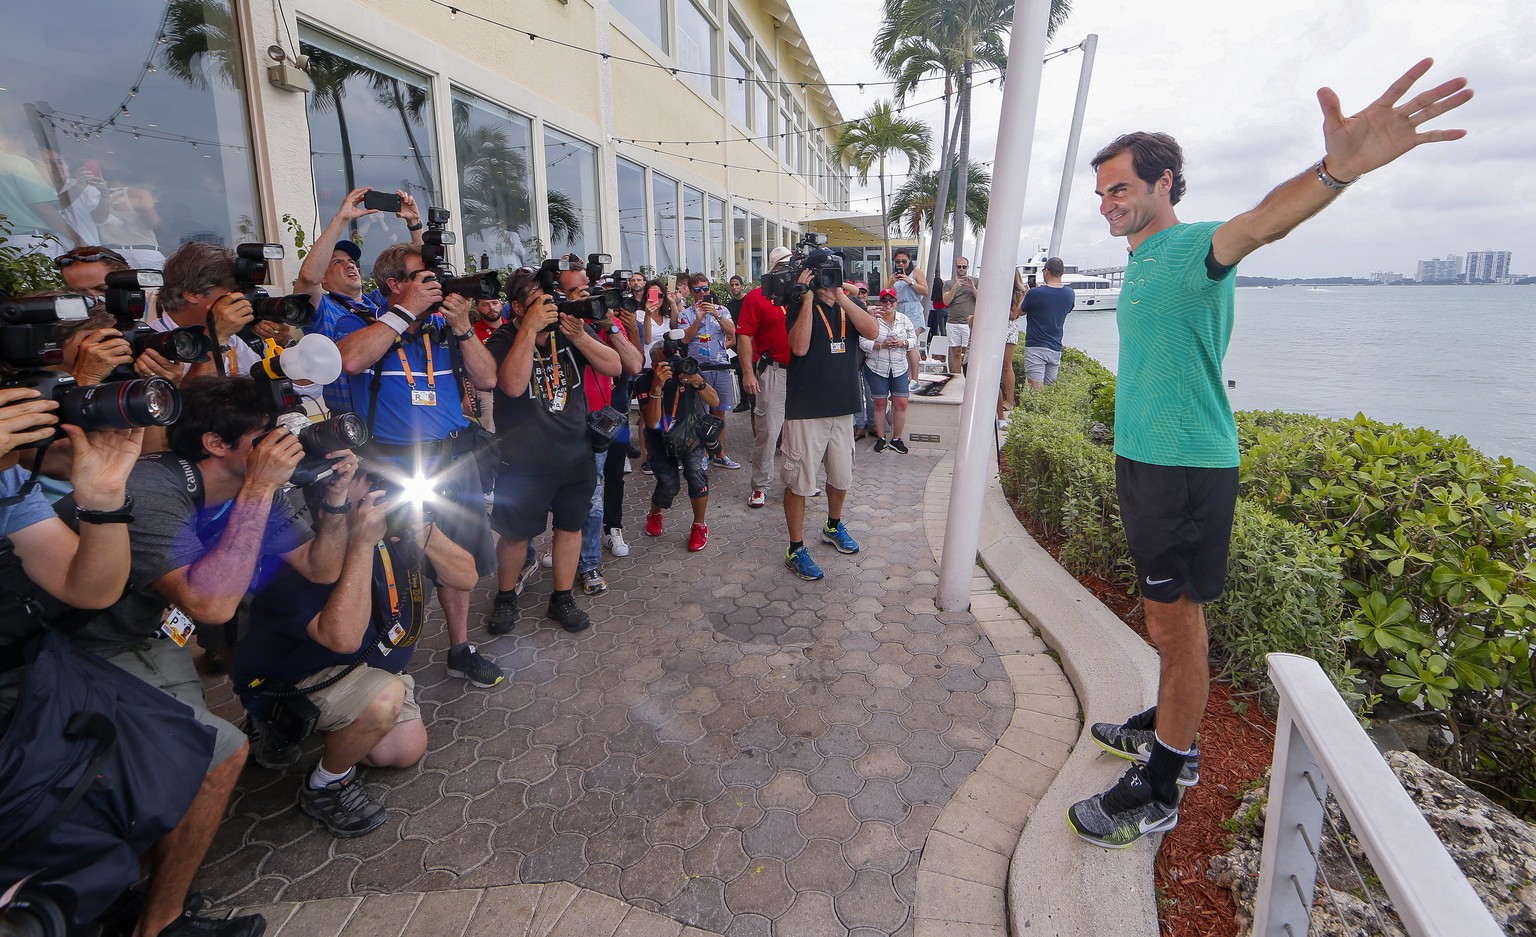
(562, 608)
(343, 806)
(191, 924)
(1123, 814)
(880, 444)
(267, 748)
(899, 446)
(503, 616)
(747, 403)
(469, 663)
(1134, 738)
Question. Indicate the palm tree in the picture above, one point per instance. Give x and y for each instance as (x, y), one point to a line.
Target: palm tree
(329, 74)
(950, 37)
(495, 194)
(200, 40)
(864, 142)
(914, 206)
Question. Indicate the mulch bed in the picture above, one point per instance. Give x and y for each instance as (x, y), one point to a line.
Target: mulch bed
(1236, 744)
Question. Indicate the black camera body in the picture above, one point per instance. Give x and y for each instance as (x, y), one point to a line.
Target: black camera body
(434, 256)
(252, 269)
(26, 344)
(781, 286)
(593, 307)
(407, 514)
(127, 302)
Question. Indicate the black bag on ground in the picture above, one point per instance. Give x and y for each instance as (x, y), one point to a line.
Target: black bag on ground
(95, 766)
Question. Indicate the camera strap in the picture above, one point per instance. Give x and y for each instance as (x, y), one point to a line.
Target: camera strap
(467, 396)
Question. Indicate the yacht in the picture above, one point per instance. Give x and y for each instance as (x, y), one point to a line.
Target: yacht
(1090, 292)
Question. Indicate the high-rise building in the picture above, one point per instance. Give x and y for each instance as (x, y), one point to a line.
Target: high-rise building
(1487, 266)
(1436, 270)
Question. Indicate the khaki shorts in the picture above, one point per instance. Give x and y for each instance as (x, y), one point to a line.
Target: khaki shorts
(343, 702)
(825, 441)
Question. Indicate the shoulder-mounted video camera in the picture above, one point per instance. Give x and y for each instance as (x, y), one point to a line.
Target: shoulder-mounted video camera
(811, 253)
(27, 344)
(252, 269)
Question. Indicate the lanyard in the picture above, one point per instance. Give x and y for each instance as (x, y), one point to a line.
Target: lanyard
(551, 373)
(389, 580)
(842, 324)
(406, 366)
(417, 598)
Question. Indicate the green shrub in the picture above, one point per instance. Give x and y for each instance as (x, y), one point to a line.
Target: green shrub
(24, 272)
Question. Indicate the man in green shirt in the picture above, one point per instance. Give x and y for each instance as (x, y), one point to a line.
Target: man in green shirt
(1175, 440)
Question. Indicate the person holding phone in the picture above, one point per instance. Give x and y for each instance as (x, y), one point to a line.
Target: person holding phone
(711, 334)
(911, 288)
(886, 370)
(960, 309)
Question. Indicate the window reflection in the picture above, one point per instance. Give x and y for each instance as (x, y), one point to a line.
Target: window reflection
(632, 217)
(370, 124)
(110, 137)
(571, 170)
(648, 15)
(693, 229)
(719, 259)
(664, 204)
(494, 148)
(741, 239)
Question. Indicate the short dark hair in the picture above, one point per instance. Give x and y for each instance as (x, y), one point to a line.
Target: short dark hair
(228, 407)
(196, 267)
(736, 278)
(1151, 155)
(519, 284)
(694, 279)
(1054, 266)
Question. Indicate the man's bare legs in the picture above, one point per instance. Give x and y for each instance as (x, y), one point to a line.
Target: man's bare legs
(455, 604)
(174, 860)
(1184, 676)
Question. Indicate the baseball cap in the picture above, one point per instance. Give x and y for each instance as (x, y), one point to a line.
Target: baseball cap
(888, 294)
(351, 249)
(777, 256)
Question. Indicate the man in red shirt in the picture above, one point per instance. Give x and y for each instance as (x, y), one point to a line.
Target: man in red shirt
(760, 334)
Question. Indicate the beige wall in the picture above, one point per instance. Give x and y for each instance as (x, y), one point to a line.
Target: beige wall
(573, 91)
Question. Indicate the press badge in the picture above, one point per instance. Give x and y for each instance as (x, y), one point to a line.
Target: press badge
(557, 401)
(393, 641)
(836, 348)
(423, 398)
(177, 626)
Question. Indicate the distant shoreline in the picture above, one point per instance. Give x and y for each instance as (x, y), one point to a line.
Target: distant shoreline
(1356, 281)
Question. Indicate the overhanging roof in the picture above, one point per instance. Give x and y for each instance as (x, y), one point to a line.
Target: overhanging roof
(830, 222)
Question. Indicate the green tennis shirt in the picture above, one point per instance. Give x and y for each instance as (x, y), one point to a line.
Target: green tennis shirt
(1175, 323)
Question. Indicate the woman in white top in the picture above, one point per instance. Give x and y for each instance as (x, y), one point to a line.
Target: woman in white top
(886, 370)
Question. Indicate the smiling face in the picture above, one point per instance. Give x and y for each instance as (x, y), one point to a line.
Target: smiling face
(1135, 209)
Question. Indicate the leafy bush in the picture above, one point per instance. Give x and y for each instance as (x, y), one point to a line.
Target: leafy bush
(23, 272)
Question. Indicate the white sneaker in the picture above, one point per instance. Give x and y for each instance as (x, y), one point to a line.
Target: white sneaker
(758, 499)
(547, 560)
(614, 541)
(628, 469)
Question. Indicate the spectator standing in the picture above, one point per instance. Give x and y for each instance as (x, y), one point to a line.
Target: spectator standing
(885, 370)
(960, 311)
(1045, 313)
(911, 294)
(762, 341)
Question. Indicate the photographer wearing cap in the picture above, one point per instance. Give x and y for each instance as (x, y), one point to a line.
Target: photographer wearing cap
(762, 342)
(547, 462)
(400, 368)
(669, 405)
(822, 395)
(348, 645)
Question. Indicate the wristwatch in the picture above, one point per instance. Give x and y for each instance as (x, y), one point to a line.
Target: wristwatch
(122, 515)
(1328, 180)
(614, 329)
(336, 508)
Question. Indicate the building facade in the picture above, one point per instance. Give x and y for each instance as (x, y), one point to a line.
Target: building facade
(1436, 270)
(672, 134)
(1487, 266)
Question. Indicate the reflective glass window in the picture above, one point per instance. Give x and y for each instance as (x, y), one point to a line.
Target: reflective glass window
(110, 136)
(719, 257)
(633, 253)
(494, 147)
(741, 239)
(649, 16)
(693, 230)
(570, 168)
(664, 207)
(370, 124)
(696, 45)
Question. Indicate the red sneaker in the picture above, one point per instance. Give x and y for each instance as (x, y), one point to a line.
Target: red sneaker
(697, 538)
(653, 524)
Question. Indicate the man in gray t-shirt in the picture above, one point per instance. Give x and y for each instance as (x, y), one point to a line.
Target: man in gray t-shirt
(960, 303)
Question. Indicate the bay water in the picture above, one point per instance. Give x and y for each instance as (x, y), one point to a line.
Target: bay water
(1457, 359)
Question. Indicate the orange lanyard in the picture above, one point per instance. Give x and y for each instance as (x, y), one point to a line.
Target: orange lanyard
(842, 323)
(234, 364)
(410, 378)
(389, 580)
(551, 373)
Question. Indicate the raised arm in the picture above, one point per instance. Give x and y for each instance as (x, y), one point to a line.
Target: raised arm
(1352, 147)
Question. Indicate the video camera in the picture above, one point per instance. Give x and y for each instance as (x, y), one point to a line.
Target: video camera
(252, 269)
(126, 302)
(434, 256)
(811, 253)
(27, 345)
(595, 306)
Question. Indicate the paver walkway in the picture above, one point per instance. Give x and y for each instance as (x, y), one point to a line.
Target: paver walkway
(737, 750)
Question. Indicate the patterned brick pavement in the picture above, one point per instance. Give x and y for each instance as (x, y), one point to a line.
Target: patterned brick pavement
(733, 748)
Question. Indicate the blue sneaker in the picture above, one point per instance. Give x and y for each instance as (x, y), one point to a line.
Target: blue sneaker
(800, 563)
(838, 537)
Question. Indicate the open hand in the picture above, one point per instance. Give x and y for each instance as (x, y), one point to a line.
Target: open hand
(1385, 130)
(101, 461)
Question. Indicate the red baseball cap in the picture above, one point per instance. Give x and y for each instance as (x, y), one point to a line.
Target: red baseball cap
(888, 294)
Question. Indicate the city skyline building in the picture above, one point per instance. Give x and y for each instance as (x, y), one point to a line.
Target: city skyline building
(1486, 266)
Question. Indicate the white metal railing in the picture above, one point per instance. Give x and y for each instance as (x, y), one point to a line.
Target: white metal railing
(1318, 744)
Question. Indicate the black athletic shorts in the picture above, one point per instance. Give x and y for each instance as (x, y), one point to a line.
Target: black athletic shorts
(524, 502)
(1178, 524)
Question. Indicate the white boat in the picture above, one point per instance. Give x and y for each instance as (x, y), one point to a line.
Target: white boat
(1089, 292)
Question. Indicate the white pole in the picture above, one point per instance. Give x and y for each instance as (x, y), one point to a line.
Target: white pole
(1090, 46)
(974, 459)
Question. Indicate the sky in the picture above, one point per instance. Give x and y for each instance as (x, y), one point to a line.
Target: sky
(1236, 83)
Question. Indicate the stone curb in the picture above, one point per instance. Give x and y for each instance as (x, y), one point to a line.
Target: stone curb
(1058, 884)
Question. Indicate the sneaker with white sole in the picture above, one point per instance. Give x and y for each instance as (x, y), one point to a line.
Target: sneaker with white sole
(1123, 814)
(547, 560)
(725, 462)
(1133, 740)
(758, 499)
(343, 806)
(615, 542)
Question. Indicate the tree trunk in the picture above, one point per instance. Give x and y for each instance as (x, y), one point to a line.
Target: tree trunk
(964, 165)
(941, 196)
(885, 228)
(410, 136)
(348, 172)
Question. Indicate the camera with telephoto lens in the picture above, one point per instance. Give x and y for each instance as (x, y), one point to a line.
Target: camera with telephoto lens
(618, 281)
(411, 501)
(320, 439)
(434, 256)
(252, 269)
(811, 253)
(127, 302)
(596, 305)
(27, 346)
(32, 910)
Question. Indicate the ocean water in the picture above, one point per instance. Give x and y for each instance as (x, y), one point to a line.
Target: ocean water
(1458, 359)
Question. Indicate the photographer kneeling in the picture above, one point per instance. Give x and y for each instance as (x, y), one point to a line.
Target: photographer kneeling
(330, 658)
(671, 404)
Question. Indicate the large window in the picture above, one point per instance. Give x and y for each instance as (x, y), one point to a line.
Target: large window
(633, 252)
(495, 159)
(741, 240)
(739, 95)
(696, 34)
(370, 124)
(103, 144)
(664, 205)
(719, 259)
(649, 16)
(570, 168)
(693, 230)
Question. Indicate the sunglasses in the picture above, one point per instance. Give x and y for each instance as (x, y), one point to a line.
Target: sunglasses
(701, 289)
(863, 292)
(887, 302)
(88, 257)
